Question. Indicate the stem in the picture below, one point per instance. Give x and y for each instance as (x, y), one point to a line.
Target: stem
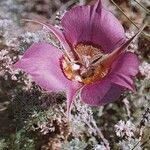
(124, 14)
(127, 106)
(135, 145)
(142, 6)
(97, 131)
(100, 134)
(144, 34)
(90, 122)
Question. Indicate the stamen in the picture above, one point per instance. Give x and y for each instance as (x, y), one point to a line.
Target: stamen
(99, 73)
(87, 69)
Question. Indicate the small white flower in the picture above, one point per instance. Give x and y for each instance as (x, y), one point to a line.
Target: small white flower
(119, 127)
(125, 129)
(5, 23)
(145, 69)
(100, 147)
(29, 37)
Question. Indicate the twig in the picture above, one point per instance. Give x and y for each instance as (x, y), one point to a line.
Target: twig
(127, 106)
(144, 34)
(140, 137)
(100, 134)
(142, 6)
(90, 122)
(92, 125)
(135, 145)
(142, 126)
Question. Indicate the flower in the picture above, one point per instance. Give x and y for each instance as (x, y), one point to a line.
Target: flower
(93, 61)
(125, 129)
(145, 69)
(100, 147)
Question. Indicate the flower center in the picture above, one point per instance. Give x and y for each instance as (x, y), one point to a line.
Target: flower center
(87, 68)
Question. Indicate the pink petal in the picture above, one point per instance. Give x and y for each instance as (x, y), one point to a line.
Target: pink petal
(71, 95)
(108, 59)
(42, 62)
(124, 69)
(109, 88)
(112, 94)
(101, 92)
(93, 24)
(58, 33)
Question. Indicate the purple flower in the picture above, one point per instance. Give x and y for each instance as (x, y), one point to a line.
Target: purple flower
(94, 62)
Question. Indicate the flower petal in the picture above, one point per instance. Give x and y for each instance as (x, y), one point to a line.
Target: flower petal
(108, 59)
(59, 35)
(71, 95)
(42, 62)
(109, 88)
(124, 69)
(101, 92)
(93, 24)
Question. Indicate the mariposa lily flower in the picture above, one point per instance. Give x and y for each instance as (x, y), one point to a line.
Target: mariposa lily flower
(94, 62)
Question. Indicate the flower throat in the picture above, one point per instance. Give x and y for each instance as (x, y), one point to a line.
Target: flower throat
(87, 68)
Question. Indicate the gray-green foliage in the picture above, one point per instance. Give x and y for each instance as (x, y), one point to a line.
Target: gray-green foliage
(30, 123)
(74, 144)
(3, 144)
(130, 144)
(18, 141)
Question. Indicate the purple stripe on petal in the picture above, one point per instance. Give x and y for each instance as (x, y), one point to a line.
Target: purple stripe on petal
(42, 62)
(97, 7)
(93, 24)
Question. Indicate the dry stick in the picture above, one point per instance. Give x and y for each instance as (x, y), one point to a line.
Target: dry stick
(97, 131)
(142, 6)
(140, 136)
(141, 133)
(135, 145)
(144, 34)
(127, 107)
(100, 134)
(92, 125)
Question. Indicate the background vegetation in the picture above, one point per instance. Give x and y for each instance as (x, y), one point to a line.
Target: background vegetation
(32, 119)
